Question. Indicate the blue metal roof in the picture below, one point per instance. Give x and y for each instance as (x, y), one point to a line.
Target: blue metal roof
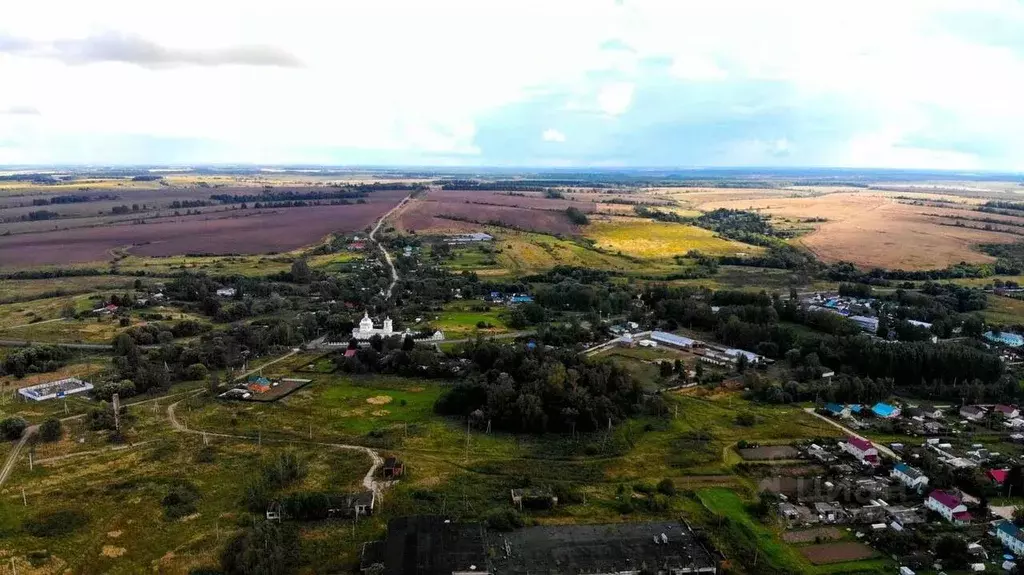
(855, 408)
(883, 409)
(834, 407)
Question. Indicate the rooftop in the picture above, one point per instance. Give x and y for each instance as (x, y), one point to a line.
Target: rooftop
(946, 498)
(654, 546)
(666, 337)
(433, 545)
(883, 409)
(861, 444)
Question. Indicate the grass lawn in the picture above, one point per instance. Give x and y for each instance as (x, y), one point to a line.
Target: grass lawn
(27, 290)
(118, 496)
(460, 319)
(1004, 310)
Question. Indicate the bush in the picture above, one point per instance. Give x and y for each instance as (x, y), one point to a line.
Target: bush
(504, 519)
(180, 501)
(746, 419)
(667, 487)
(51, 430)
(196, 372)
(267, 548)
(13, 427)
(55, 523)
(644, 488)
(124, 389)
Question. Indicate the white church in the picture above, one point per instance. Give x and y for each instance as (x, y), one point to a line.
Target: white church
(366, 329)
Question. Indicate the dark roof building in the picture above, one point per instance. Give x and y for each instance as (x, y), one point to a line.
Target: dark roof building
(427, 545)
(652, 547)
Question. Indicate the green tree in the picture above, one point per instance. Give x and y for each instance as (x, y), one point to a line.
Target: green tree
(213, 383)
(50, 430)
(13, 427)
(952, 551)
(196, 372)
(300, 271)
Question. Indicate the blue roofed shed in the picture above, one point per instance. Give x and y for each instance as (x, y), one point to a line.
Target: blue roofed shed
(884, 410)
(834, 408)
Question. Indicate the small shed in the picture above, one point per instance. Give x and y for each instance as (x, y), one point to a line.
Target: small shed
(393, 467)
(534, 498)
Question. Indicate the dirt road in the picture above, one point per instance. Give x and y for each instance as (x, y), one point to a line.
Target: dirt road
(387, 256)
(881, 448)
(369, 480)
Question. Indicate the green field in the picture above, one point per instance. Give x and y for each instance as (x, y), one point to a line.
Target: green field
(459, 319)
(1004, 310)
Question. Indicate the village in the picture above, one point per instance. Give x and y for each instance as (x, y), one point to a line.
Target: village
(941, 471)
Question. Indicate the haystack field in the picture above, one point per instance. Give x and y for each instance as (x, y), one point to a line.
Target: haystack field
(876, 229)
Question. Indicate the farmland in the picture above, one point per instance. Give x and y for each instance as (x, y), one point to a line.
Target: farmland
(870, 229)
(658, 240)
(438, 209)
(244, 232)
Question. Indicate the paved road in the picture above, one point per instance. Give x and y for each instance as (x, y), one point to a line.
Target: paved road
(387, 256)
(881, 448)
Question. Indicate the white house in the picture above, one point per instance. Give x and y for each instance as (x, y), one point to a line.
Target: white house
(227, 292)
(862, 449)
(949, 506)
(1012, 537)
(1008, 411)
(366, 329)
(972, 412)
(909, 476)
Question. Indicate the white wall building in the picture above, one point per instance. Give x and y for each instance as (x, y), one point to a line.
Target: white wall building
(949, 506)
(909, 476)
(366, 329)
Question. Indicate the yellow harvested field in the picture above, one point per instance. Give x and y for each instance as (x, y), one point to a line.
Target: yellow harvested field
(656, 240)
(524, 253)
(876, 230)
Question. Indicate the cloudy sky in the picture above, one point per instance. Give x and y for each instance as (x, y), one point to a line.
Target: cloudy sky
(907, 83)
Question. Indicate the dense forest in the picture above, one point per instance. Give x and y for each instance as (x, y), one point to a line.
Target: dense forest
(516, 388)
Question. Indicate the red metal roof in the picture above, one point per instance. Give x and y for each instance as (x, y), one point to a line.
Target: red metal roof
(945, 498)
(998, 475)
(962, 516)
(861, 444)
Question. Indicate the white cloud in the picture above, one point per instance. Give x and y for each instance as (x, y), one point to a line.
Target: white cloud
(615, 98)
(552, 135)
(264, 80)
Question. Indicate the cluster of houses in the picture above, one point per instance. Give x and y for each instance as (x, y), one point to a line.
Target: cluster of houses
(861, 311)
(510, 299)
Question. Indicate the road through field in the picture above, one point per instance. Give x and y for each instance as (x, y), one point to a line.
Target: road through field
(881, 448)
(387, 256)
(13, 457)
(369, 481)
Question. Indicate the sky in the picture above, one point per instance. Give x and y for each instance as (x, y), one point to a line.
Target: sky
(931, 84)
